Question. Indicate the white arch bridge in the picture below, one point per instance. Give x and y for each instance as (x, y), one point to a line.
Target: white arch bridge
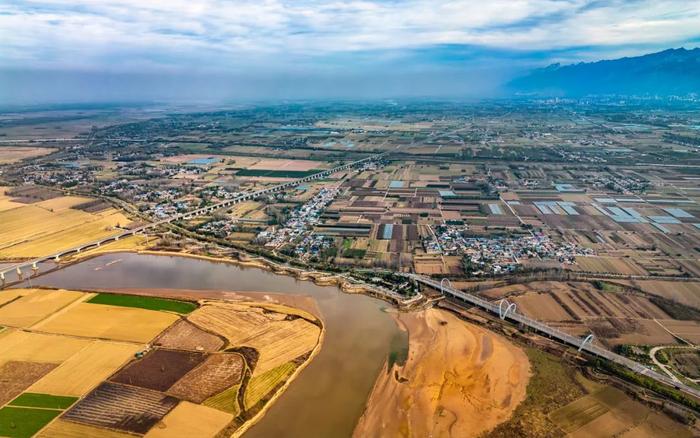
(34, 264)
(582, 344)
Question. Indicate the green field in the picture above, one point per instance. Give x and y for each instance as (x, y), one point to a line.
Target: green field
(47, 401)
(150, 303)
(226, 401)
(277, 173)
(260, 386)
(354, 253)
(24, 422)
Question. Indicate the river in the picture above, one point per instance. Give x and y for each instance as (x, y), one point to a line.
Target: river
(329, 395)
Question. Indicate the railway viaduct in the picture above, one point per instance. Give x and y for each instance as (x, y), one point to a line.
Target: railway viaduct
(34, 264)
(583, 344)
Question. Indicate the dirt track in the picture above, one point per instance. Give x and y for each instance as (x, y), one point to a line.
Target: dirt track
(459, 380)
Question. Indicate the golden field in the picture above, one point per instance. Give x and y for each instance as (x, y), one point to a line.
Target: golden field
(180, 422)
(277, 340)
(108, 322)
(46, 227)
(13, 154)
(94, 363)
(33, 305)
(67, 429)
(5, 202)
(38, 347)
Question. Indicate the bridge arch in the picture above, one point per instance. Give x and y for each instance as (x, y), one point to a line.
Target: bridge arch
(587, 340)
(510, 307)
(442, 285)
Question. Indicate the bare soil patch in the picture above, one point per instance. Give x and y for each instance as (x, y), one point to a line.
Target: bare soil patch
(159, 369)
(122, 407)
(31, 194)
(217, 373)
(93, 206)
(186, 336)
(16, 376)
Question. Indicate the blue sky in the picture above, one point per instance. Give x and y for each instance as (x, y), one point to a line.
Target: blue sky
(279, 46)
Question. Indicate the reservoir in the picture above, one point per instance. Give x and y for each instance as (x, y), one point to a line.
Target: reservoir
(329, 395)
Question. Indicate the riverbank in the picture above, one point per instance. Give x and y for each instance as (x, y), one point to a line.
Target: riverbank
(334, 386)
(317, 277)
(458, 380)
(245, 261)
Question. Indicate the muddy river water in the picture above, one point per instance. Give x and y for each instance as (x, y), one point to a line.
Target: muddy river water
(328, 397)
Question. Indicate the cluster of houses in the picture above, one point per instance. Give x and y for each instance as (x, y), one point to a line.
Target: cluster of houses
(300, 222)
(500, 254)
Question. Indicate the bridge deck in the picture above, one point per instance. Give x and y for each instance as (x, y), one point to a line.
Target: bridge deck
(557, 334)
(188, 215)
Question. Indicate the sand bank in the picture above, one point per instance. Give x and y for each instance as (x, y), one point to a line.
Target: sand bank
(459, 380)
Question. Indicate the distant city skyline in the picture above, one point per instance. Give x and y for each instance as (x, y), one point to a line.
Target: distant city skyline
(55, 50)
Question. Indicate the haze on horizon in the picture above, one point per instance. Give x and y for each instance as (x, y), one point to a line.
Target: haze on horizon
(214, 50)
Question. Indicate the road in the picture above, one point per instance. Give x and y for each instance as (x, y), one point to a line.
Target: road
(556, 334)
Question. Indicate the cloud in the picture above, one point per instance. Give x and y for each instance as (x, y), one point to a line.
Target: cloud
(131, 50)
(236, 35)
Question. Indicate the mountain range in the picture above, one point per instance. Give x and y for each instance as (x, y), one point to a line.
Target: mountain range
(670, 72)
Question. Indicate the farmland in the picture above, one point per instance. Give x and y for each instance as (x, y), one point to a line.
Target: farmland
(149, 303)
(609, 412)
(159, 369)
(276, 339)
(34, 229)
(94, 363)
(264, 383)
(615, 314)
(28, 413)
(111, 322)
(11, 154)
(179, 422)
(76, 364)
(16, 376)
(24, 422)
(215, 375)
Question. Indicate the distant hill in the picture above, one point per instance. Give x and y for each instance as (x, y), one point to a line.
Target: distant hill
(671, 72)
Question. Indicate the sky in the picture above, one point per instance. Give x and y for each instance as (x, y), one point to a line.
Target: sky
(219, 50)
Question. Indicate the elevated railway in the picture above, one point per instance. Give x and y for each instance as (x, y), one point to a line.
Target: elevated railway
(34, 264)
(583, 344)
